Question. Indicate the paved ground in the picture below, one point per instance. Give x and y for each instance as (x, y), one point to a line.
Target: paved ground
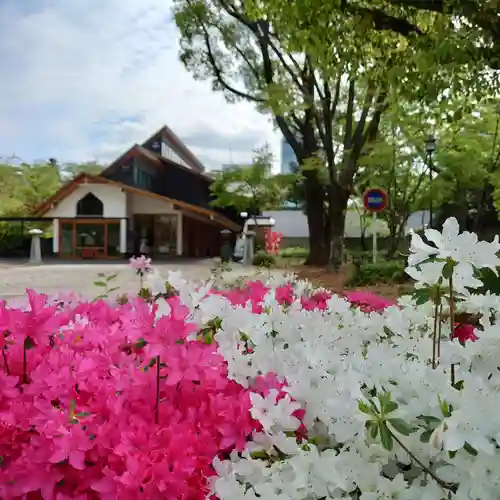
(58, 277)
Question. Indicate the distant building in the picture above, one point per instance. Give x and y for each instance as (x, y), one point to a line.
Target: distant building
(288, 158)
(229, 166)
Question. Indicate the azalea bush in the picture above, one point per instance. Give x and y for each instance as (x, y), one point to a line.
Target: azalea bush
(266, 390)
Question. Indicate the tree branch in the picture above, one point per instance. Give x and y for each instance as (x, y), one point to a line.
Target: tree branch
(351, 96)
(286, 66)
(219, 75)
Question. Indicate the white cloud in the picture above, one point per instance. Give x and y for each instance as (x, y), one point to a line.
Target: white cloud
(86, 79)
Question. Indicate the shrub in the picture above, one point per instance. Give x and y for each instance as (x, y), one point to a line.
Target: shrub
(368, 273)
(294, 253)
(263, 259)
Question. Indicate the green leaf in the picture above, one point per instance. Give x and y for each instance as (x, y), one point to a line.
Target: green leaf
(470, 449)
(112, 277)
(448, 270)
(386, 437)
(446, 409)
(401, 426)
(430, 421)
(100, 283)
(364, 408)
(101, 275)
(421, 296)
(82, 414)
(426, 435)
(391, 406)
(374, 430)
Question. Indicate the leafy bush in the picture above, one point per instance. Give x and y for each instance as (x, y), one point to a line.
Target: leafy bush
(294, 253)
(263, 259)
(368, 273)
(367, 255)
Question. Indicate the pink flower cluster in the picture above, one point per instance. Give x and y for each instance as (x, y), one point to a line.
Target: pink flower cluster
(104, 401)
(141, 264)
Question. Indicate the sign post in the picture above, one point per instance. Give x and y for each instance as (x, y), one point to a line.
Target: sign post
(375, 200)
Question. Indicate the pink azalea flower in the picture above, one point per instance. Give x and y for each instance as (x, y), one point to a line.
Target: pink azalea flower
(465, 333)
(140, 264)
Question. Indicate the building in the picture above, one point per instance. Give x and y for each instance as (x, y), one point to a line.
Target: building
(288, 158)
(155, 198)
(229, 166)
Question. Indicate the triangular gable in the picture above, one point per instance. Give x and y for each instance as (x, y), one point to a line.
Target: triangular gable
(166, 135)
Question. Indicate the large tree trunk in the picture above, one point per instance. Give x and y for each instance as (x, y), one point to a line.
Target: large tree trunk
(314, 198)
(337, 209)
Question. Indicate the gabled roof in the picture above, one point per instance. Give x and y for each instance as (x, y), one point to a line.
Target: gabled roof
(84, 178)
(180, 148)
(158, 160)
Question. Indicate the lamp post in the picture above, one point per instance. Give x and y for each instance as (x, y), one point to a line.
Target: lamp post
(430, 148)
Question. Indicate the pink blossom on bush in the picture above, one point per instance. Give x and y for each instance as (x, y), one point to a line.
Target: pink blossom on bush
(369, 302)
(77, 409)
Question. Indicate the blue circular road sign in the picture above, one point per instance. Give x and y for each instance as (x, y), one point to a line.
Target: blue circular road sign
(375, 199)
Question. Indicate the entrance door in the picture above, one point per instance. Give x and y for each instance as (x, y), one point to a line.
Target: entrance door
(156, 233)
(90, 240)
(165, 228)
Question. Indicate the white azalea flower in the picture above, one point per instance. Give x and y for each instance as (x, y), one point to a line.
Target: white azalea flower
(331, 360)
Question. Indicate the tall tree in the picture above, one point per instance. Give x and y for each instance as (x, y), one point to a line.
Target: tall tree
(306, 81)
(395, 165)
(470, 28)
(468, 163)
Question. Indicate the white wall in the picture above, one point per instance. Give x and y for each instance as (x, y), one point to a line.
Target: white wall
(145, 205)
(112, 197)
(293, 224)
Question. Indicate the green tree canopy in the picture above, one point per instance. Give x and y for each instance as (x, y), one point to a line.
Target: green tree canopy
(252, 188)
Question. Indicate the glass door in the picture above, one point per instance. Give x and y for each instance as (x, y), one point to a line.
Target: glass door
(165, 230)
(91, 239)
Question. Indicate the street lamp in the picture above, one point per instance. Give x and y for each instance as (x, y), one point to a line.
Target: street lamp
(430, 148)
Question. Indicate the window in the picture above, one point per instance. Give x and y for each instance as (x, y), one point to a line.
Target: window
(89, 205)
(142, 179)
(168, 153)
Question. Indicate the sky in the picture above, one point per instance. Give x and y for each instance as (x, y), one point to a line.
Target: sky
(82, 80)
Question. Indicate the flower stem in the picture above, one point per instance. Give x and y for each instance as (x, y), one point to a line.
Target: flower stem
(452, 324)
(435, 334)
(440, 327)
(5, 362)
(157, 406)
(424, 467)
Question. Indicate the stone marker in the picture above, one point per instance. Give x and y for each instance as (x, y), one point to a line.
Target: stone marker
(36, 250)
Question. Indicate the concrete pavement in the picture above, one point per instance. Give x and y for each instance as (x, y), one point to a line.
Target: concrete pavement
(79, 277)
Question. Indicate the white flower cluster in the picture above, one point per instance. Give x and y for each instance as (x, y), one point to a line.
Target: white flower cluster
(383, 421)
